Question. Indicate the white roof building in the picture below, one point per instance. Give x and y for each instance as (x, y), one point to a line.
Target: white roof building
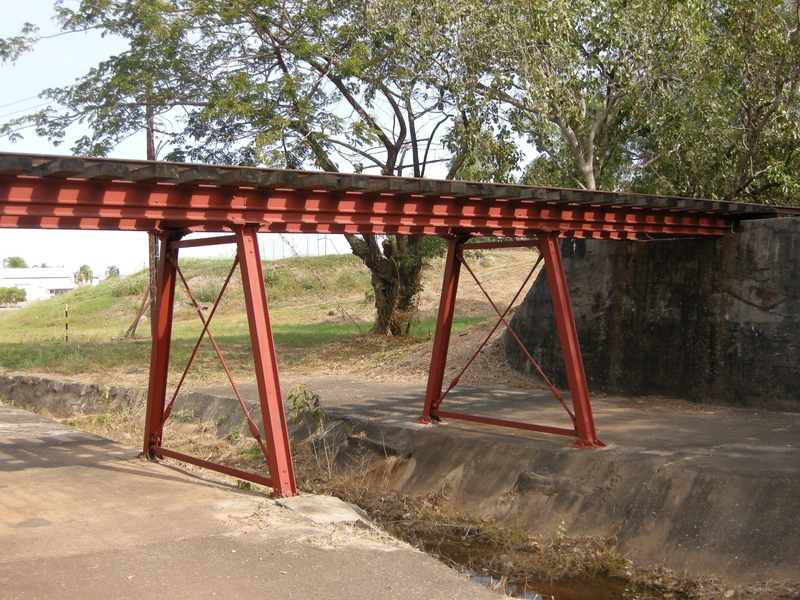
(39, 283)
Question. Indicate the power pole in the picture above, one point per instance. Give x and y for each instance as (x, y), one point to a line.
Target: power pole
(152, 239)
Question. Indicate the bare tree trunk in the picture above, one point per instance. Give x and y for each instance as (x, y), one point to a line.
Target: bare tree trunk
(152, 243)
(396, 267)
(384, 281)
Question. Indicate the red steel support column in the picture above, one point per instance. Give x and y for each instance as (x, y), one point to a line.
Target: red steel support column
(159, 353)
(441, 339)
(568, 335)
(269, 390)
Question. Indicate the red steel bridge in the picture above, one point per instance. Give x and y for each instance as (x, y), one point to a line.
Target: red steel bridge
(174, 200)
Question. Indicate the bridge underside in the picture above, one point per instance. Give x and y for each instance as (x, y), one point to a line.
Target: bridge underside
(173, 200)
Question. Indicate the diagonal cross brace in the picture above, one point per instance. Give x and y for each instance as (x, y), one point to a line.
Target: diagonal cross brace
(583, 423)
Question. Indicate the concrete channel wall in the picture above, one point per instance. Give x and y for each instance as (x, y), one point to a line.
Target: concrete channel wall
(61, 399)
(702, 319)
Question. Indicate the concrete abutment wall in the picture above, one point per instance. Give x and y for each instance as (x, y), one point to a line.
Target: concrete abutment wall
(702, 319)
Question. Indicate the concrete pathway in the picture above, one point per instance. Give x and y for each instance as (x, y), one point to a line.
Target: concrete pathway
(81, 517)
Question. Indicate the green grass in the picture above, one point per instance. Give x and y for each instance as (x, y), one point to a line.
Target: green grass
(91, 356)
(73, 357)
(426, 327)
(302, 293)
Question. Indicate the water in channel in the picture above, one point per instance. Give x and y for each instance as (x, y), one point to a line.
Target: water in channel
(455, 552)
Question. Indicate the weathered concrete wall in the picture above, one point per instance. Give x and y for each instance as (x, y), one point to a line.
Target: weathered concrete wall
(701, 319)
(728, 511)
(64, 398)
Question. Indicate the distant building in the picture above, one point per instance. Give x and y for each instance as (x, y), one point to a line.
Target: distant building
(39, 283)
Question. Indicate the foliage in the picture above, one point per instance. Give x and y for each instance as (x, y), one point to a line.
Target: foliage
(317, 84)
(727, 126)
(14, 262)
(304, 406)
(131, 285)
(83, 276)
(112, 272)
(12, 295)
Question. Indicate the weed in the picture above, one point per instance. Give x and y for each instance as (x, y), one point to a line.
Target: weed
(561, 531)
(132, 285)
(223, 418)
(235, 435)
(185, 414)
(304, 405)
(253, 452)
(207, 292)
(105, 400)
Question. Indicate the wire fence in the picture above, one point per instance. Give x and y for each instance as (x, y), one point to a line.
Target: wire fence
(278, 246)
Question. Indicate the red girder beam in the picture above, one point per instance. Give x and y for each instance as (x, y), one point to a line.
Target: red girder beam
(159, 354)
(444, 324)
(279, 455)
(362, 224)
(568, 336)
(364, 210)
(206, 464)
(445, 414)
(216, 208)
(110, 224)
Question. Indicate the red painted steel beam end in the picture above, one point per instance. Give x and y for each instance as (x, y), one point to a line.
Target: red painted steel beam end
(587, 444)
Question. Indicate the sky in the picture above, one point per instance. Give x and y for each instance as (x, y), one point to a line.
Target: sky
(57, 62)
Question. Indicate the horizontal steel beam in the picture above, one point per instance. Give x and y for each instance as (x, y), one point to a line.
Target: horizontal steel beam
(445, 414)
(84, 204)
(199, 462)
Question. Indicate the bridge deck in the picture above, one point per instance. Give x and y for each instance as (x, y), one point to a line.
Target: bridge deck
(39, 191)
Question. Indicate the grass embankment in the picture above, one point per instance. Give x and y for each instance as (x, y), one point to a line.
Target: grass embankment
(314, 303)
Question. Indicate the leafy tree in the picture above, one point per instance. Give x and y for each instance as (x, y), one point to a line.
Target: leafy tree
(692, 97)
(728, 126)
(15, 262)
(12, 295)
(83, 276)
(564, 73)
(112, 271)
(687, 96)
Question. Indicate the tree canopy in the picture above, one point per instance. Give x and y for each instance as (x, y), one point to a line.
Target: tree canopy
(84, 275)
(15, 262)
(12, 295)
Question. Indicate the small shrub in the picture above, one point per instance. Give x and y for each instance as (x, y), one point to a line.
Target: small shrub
(303, 405)
(133, 285)
(207, 292)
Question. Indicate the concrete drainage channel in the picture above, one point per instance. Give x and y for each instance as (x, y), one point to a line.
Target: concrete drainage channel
(677, 495)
